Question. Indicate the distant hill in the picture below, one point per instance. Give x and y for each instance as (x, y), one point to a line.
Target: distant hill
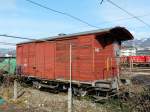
(138, 42)
(146, 43)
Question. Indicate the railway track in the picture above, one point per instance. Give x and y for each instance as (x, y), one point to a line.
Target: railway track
(137, 69)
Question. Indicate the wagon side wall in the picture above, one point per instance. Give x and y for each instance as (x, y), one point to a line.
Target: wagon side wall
(50, 60)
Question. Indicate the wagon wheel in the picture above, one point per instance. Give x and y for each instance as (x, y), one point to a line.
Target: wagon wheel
(37, 85)
(79, 92)
(83, 93)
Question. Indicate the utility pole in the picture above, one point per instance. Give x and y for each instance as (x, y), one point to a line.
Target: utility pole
(70, 87)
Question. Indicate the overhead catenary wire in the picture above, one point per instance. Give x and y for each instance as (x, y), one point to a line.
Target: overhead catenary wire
(127, 18)
(24, 38)
(63, 13)
(35, 3)
(6, 43)
(78, 19)
(18, 37)
(32, 39)
(120, 19)
(101, 1)
(4, 35)
(132, 15)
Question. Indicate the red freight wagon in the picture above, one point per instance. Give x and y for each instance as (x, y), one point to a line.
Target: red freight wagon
(94, 58)
(147, 59)
(137, 59)
(141, 61)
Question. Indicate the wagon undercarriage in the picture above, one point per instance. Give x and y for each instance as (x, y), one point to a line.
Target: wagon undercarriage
(97, 90)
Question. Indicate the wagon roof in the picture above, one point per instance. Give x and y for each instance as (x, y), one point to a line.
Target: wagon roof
(120, 33)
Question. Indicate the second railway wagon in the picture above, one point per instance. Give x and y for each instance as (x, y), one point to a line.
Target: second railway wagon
(137, 61)
(94, 59)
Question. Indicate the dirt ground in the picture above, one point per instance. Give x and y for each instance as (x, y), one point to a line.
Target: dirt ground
(33, 100)
(39, 101)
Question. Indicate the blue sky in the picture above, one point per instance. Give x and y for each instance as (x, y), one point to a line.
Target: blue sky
(21, 18)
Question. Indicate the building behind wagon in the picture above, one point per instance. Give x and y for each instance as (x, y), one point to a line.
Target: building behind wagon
(128, 51)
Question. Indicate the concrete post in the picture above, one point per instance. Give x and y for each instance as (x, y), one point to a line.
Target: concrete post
(15, 89)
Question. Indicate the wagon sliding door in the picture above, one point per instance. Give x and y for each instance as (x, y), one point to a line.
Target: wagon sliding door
(45, 54)
(62, 58)
(49, 60)
(31, 59)
(62, 65)
(86, 58)
(25, 60)
(40, 59)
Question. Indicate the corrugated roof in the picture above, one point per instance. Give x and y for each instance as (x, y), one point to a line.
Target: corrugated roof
(123, 32)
